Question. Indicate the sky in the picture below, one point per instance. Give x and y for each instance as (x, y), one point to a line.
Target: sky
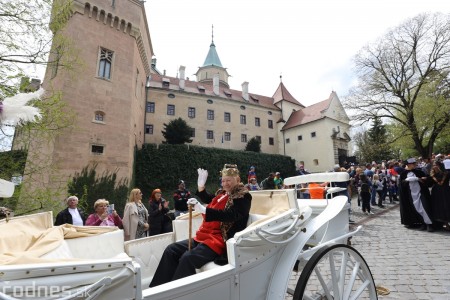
(310, 43)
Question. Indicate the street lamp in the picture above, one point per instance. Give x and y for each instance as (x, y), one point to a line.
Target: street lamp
(147, 87)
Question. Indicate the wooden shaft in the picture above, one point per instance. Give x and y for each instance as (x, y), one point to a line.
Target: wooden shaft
(190, 227)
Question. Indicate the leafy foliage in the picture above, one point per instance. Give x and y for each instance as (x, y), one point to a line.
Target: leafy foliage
(26, 37)
(409, 63)
(161, 166)
(177, 132)
(89, 187)
(254, 144)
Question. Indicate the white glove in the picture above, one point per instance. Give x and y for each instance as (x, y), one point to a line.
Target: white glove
(200, 208)
(197, 206)
(410, 179)
(192, 201)
(202, 176)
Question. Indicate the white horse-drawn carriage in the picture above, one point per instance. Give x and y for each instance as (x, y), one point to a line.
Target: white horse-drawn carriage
(281, 231)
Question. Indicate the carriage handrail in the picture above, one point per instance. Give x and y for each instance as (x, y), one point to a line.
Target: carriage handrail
(296, 217)
(280, 242)
(333, 241)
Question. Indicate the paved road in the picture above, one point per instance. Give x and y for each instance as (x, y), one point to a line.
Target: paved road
(412, 264)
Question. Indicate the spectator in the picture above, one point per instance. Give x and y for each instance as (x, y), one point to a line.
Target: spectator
(365, 193)
(226, 213)
(158, 219)
(301, 170)
(251, 174)
(72, 214)
(102, 217)
(377, 187)
(317, 190)
(440, 194)
(268, 183)
(180, 198)
(135, 217)
(278, 181)
(253, 185)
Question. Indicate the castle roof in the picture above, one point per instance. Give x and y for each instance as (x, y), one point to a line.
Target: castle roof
(283, 94)
(212, 59)
(308, 114)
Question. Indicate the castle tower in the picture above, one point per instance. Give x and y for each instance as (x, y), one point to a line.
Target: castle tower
(107, 93)
(213, 67)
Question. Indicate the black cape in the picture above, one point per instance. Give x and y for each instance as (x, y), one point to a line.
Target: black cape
(408, 213)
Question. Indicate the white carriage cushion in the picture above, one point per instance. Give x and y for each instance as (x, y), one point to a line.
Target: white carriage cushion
(147, 253)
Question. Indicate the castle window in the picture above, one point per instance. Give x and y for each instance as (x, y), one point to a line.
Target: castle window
(210, 114)
(243, 138)
(170, 109)
(269, 112)
(313, 134)
(316, 162)
(97, 149)
(270, 124)
(171, 96)
(227, 117)
(191, 112)
(227, 93)
(148, 129)
(258, 138)
(99, 117)
(166, 82)
(271, 142)
(150, 108)
(257, 122)
(209, 101)
(105, 63)
(242, 107)
(192, 132)
(288, 141)
(209, 134)
(201, 88)
(227, 136)
(243, 119)
(299, 138)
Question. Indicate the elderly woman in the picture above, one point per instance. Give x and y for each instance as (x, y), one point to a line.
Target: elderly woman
(72, 214)
(101, 216)
(158, 208)
(226, 213)
(135, 217)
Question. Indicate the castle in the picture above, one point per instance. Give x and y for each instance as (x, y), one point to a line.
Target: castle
(122, 101)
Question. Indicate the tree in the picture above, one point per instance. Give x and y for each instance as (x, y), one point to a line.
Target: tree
(177, 132)
(28, 28)
(254, 144)
(377, 138)
(407, 68)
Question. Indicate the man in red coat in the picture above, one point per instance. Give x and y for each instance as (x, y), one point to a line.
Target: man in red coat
(225, 214)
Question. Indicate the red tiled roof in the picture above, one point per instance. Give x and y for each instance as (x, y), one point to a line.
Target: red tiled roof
(283, 94)
(307, 114)
(192, 87)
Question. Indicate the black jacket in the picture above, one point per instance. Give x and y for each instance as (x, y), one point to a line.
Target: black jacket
(157, 219)
(64, 217)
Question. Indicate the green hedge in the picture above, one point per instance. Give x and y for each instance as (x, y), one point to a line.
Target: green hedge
(161, 166)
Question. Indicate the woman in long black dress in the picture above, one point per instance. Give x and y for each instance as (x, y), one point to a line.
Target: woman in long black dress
(440, 195)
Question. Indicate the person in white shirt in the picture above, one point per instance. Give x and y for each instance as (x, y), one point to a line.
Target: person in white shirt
(72, 214)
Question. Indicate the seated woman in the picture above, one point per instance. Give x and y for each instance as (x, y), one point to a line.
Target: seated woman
(101, 216)
(226, 213)
(158, 219)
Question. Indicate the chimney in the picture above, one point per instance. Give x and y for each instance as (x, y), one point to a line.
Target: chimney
(154, 62)
(216, 83)
(181, 83)
(245, 90)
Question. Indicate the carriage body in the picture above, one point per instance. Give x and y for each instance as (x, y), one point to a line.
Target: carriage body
(281, 231)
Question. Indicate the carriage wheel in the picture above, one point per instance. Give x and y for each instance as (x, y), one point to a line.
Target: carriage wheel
(336, 272)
